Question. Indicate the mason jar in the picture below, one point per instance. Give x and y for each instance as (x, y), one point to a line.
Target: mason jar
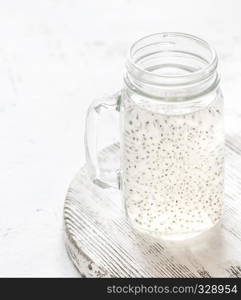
(170, 111)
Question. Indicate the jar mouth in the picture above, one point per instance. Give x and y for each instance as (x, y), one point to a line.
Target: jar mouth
(171, 59)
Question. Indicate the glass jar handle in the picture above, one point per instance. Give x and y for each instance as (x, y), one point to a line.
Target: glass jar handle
(94, 118)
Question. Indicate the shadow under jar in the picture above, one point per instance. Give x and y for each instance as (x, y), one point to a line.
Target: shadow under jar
(171, 136)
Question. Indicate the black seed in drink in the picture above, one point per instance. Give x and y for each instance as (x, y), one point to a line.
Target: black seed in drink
(175, 188)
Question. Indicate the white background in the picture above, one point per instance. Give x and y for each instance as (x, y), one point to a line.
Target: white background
(55, 57)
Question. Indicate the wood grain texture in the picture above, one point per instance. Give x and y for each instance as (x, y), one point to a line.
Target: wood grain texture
(101, 242)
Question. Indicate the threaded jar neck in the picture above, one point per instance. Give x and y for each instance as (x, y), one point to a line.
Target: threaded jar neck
(172, 66)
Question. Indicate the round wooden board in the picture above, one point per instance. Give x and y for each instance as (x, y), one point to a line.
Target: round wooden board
(101, 243)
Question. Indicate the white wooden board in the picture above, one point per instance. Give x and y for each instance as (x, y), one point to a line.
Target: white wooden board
(101, 243)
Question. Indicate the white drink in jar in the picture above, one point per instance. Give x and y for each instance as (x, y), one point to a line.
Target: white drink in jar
(172, 169)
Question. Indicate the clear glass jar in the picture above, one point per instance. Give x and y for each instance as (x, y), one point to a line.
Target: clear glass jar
(171, 137)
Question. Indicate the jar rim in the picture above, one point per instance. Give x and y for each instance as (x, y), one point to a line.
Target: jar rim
(166, 79)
